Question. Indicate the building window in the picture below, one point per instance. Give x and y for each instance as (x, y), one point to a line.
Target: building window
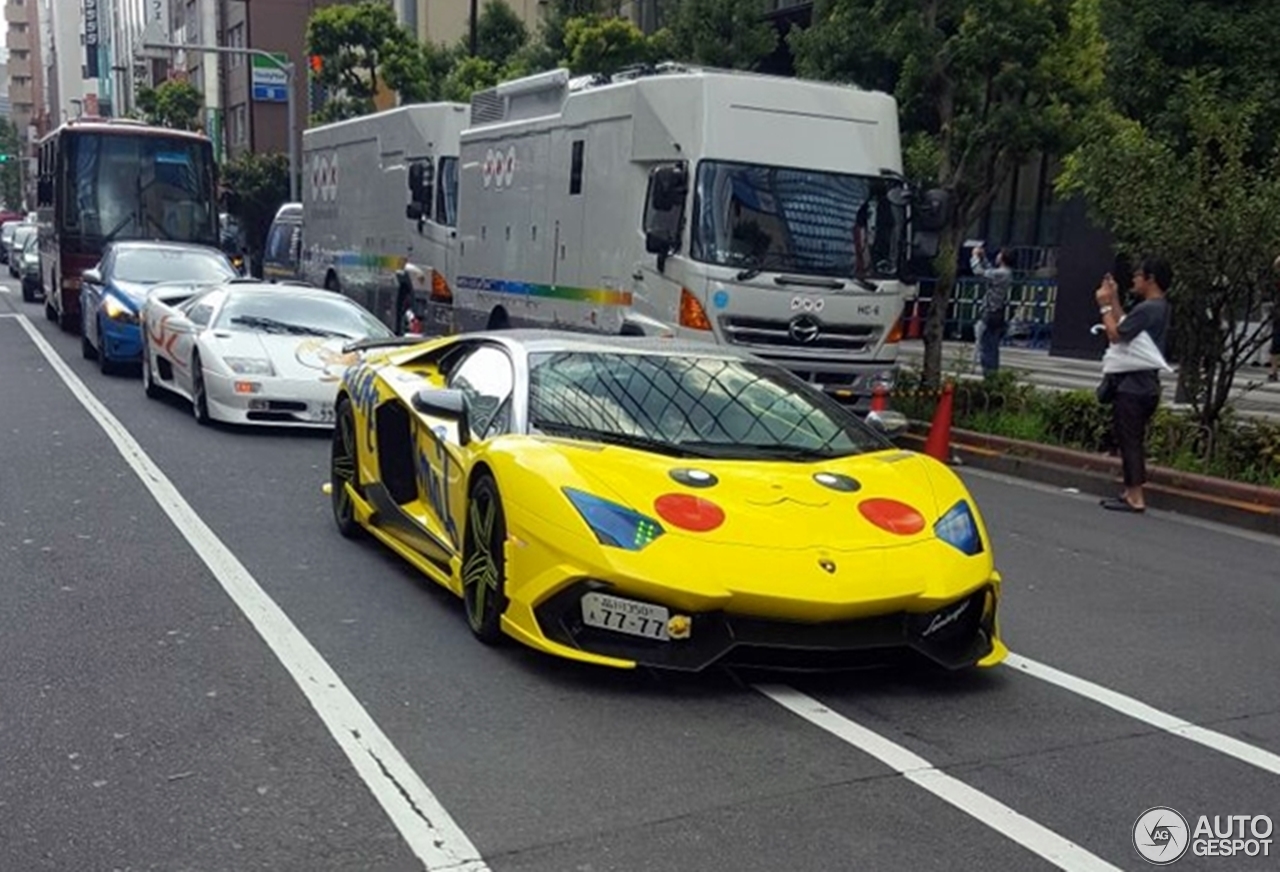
(575, 170)
(235, 39)
(238, 122)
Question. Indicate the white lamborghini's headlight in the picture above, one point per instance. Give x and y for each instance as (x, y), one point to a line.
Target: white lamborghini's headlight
(249, 365)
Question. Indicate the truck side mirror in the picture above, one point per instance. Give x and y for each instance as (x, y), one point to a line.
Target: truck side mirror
(932, 211)
(668, 187)
(420, 183)
(413, 211)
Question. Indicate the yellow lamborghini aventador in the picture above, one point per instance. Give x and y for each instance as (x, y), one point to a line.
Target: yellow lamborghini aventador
(630, 501)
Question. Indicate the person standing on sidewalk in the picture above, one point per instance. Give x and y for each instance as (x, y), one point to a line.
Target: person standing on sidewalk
(991, 325)
(1137, 394)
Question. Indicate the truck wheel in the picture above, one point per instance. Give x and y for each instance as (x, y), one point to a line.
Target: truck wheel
(331, 283)
(498, 320)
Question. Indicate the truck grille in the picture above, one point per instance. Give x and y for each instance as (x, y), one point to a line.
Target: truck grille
(805, 332)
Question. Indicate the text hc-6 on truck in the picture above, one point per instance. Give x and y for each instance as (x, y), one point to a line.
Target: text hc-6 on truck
(758, 211)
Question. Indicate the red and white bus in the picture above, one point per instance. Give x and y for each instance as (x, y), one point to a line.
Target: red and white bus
(104, 180)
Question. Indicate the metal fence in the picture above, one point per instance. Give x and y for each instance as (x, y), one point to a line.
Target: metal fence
(1030, 310)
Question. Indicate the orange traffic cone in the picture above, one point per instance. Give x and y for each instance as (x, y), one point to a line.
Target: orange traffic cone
(938, 445)
(913, 323)
(879, 399)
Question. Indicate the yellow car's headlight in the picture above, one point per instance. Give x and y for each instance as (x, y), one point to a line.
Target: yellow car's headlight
(959, 529)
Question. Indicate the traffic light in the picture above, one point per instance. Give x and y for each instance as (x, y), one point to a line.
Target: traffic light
(5, 158)
(317, 63)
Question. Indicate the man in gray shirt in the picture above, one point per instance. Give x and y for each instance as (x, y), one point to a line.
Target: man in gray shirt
(991, 324)
(1137, 394)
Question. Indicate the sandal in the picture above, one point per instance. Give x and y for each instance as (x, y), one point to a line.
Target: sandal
(1114, 504)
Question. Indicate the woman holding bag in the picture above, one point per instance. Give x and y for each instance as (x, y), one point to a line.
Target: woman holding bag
(1136, 392)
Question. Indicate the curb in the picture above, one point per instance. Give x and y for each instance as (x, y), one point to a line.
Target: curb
(1249, 507)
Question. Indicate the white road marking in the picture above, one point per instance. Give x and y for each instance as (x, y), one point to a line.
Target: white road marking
(430, 832)
(1127, 705)
(1061, 852)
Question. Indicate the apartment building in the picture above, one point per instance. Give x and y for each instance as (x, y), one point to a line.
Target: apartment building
(25, 78)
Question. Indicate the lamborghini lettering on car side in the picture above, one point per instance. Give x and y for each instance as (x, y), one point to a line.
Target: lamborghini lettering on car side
(433, 478)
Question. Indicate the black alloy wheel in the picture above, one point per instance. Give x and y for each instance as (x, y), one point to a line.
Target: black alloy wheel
(342, 470)
(484, 561)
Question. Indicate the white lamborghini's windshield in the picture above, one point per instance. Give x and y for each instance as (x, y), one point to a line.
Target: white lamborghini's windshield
(300, 314)
(719, 408)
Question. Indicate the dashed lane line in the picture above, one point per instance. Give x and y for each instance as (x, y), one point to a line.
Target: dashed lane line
(1130, 707)
(1035, 837)
(433, 836)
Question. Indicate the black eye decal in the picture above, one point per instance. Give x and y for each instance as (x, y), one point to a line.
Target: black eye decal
(837, 482)
(694, 477)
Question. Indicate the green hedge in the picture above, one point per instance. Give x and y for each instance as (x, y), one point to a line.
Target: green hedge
(1243, 450)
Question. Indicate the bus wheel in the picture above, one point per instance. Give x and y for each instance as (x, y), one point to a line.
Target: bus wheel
(50, 312)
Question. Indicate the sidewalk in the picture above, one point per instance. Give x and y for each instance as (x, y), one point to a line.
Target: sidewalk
(1252, 395)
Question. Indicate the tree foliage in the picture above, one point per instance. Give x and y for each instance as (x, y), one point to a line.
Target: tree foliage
(732, 34)
(981, 87)
(1153, 44)
(500, 33)
(1197, 198)
(595, 44)
(256, 185)
(360, 45)
(174, 103)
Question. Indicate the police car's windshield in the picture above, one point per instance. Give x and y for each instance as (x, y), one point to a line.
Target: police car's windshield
(721, 408)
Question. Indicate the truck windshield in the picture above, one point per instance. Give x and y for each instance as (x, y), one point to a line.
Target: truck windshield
(797, 220)
(138, 186)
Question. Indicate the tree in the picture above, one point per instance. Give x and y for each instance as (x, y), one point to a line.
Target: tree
(723, 33)
(469, 75)
(1153, 44)
(604, 45)
(11, 169)
(355, 43)
(256, 186)
(500, 33)
(1196, 198)
(175, 103)
(981, 87)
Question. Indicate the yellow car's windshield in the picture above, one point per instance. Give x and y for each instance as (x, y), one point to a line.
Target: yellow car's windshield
(711, 407)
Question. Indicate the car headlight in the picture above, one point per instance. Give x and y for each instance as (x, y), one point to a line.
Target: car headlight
(118, 311)
(249, 365)
(959, 529)
(613, 524)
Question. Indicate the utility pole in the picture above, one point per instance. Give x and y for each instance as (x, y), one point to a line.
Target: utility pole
(285, 66)
(474, 27)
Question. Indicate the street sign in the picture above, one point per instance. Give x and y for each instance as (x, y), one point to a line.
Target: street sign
(270, 83)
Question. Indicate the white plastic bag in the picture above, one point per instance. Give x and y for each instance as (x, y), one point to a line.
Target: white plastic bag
(1140, 353)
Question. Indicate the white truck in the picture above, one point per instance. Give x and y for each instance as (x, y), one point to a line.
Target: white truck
(764, 212)
(380, 206)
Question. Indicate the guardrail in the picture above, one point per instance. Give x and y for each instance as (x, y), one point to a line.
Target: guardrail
(1030, 310)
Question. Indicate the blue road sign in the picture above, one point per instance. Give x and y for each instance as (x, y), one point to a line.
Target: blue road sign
(270, 94)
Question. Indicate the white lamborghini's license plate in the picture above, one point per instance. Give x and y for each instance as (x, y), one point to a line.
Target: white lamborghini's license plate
(625, 616)
(322, 412)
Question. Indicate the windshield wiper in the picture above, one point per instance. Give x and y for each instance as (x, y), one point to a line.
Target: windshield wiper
(759, 264)
(273, 324)
(625, 440)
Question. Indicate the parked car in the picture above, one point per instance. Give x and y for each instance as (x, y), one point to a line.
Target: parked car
(29, 270)
(112, 294)
(282, 255)
(13, 249)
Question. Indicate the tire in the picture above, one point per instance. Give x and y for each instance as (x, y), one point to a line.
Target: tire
(199, 399)
(331, 283)
(483, 562)
(343, 470)
(50, 313)
(498, 320)
(148, 382)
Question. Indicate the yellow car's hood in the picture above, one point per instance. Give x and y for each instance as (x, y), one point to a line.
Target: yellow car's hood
(778, 505)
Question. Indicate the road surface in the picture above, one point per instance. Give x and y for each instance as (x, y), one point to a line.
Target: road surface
(200, 673)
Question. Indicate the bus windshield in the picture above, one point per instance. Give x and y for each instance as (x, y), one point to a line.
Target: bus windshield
(797, 220)
(138, 186)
